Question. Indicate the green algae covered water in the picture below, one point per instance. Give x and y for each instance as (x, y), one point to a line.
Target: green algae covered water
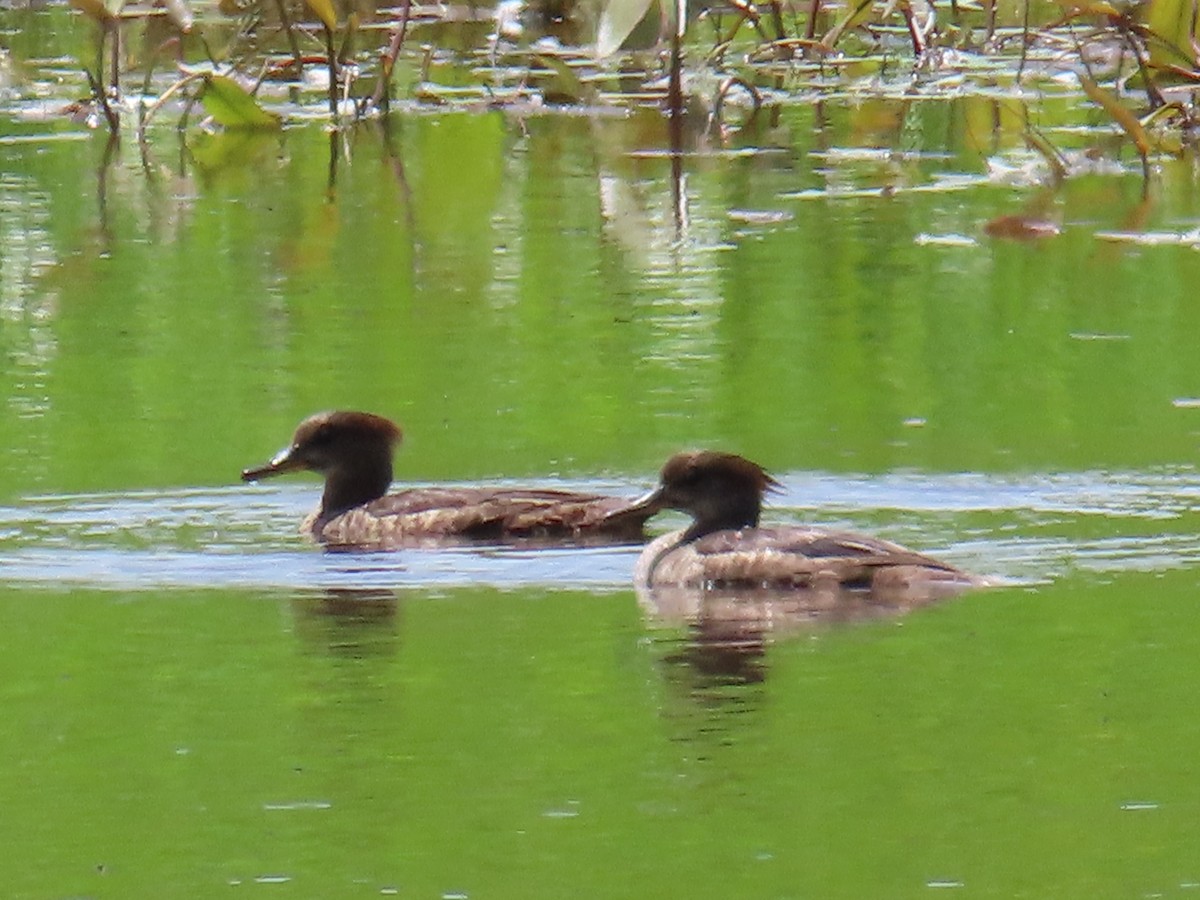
(198, 703)
(534, 743)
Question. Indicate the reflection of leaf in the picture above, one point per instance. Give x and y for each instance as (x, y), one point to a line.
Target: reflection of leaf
(325, 12)
(1121, 115)
(565, 86)
(238, 150)
(617, 21)
(99, 10)
(180, 13)
(229, 103)
(1020, 228)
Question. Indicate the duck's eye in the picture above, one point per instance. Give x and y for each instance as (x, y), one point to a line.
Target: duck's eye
(321, 436)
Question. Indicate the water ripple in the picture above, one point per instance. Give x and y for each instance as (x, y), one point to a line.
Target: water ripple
(1025, 527)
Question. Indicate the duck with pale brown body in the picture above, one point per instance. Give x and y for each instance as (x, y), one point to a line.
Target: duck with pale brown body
(353, 451)
(725, 548)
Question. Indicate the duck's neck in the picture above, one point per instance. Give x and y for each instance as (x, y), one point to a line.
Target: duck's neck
(731, 513)
(354, 484)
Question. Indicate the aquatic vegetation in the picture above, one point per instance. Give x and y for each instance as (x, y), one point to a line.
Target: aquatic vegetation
(1076, 87)
(570, 53)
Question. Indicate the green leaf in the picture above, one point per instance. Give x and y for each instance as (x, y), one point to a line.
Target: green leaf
(1173, 25)
(617, 21)
(325, 12)
(232, 106)
(856, 14)
(1100, 8)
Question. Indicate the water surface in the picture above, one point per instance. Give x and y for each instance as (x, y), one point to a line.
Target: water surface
(1013, 528)
(197, 701)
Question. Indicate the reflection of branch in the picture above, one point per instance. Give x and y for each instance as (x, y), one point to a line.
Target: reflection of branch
(397, 165)
(102, 190)
(101, 95)
(144, 158)
(678, 196)
(392, 156)
(331, 185)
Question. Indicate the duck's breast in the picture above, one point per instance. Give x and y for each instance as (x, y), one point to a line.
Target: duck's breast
(666, 561)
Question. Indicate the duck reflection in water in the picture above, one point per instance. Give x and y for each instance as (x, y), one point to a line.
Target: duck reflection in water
(349, 623)
(726, 573)
(353, 452)
(717, 653)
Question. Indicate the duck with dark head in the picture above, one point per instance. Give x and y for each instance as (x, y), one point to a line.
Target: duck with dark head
(353, 452)
(725, 548)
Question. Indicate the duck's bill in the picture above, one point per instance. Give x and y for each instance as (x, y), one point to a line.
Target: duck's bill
(281, 462)
(646, 505)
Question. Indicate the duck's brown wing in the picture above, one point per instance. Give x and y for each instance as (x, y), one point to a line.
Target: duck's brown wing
(566, 513)
(792, 555)
(495, 513)
(814, 544)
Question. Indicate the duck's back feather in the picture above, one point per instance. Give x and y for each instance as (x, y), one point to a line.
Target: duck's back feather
(788, 556)
(424, 515)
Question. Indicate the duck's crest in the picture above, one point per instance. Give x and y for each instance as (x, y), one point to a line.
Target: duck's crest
(690, 466)
(324, 426)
